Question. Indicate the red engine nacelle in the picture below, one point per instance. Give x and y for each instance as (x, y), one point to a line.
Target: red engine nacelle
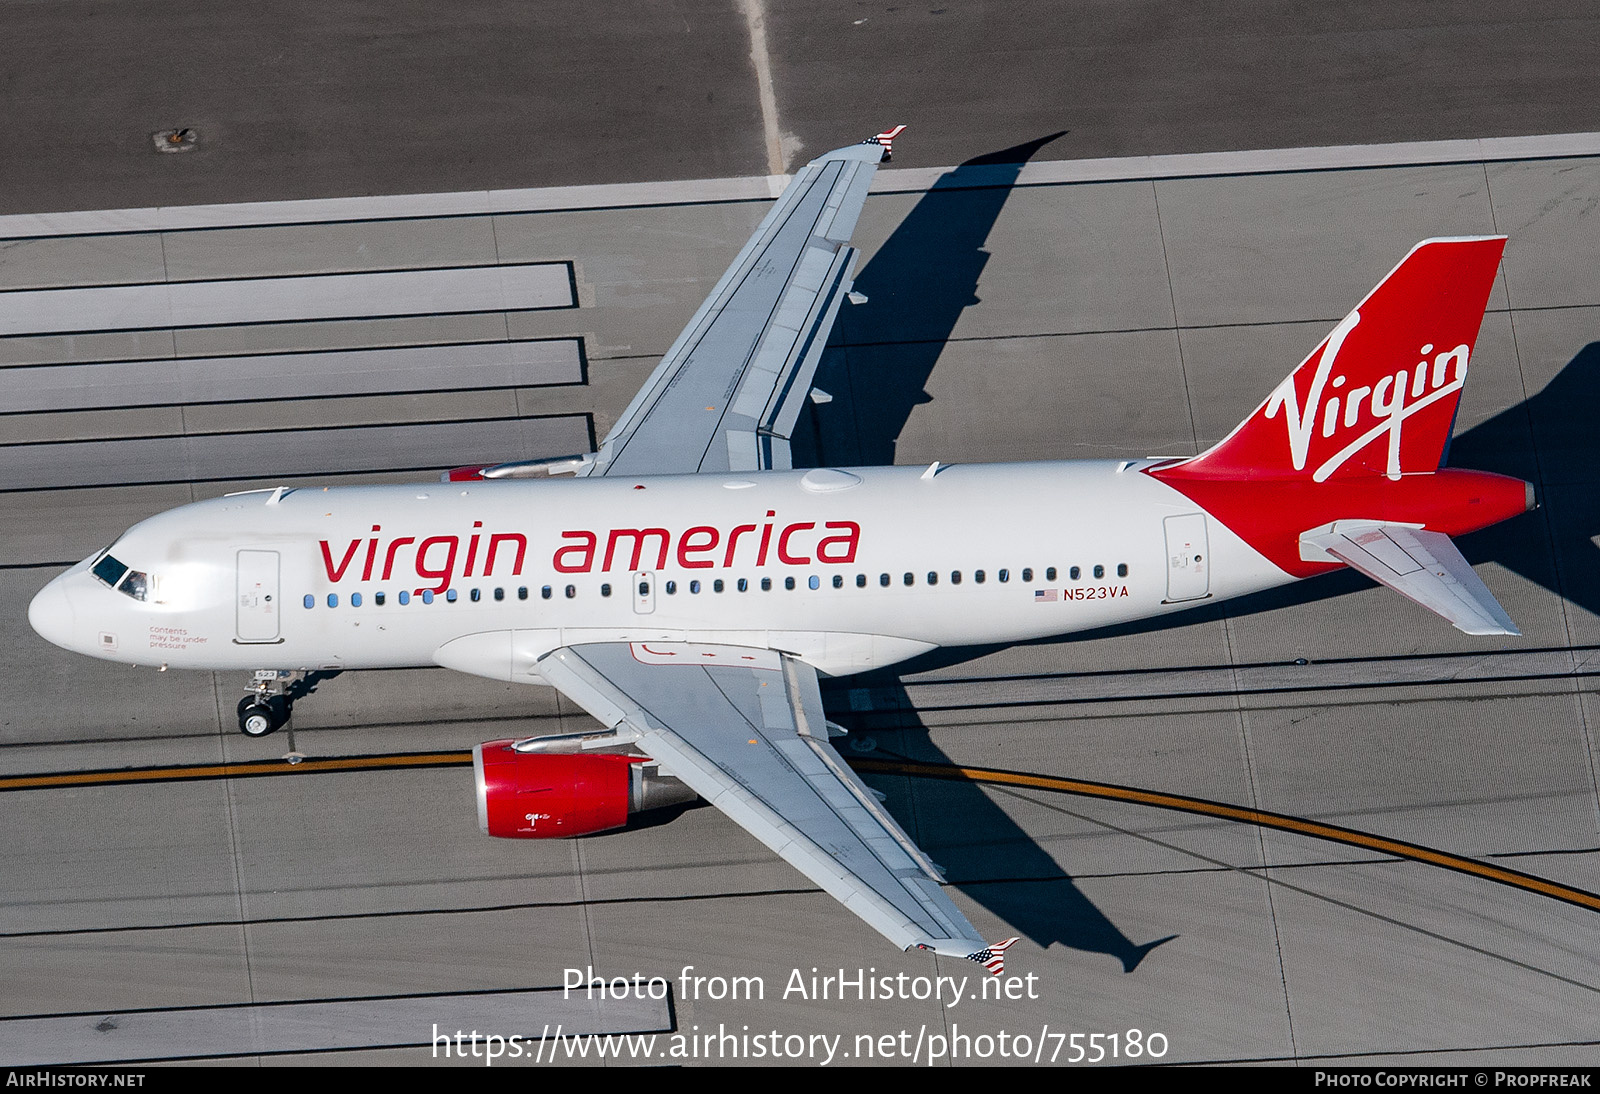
(526, 795)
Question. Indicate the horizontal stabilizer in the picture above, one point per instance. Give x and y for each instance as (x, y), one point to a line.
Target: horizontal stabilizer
(1422, 566)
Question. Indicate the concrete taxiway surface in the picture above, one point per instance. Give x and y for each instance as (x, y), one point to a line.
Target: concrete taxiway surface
(1124, 317)
(370, 97)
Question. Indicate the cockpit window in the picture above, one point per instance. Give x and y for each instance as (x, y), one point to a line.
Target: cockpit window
(136, 585)
(119, 577)
(109, 570)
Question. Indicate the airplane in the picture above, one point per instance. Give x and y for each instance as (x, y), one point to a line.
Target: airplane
(688, 587)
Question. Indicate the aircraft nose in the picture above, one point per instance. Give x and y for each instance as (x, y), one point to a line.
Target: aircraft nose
(50, 614)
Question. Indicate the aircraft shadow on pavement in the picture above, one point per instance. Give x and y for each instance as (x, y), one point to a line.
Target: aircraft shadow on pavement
(1549, 440)
(917, 285)
(983, 851)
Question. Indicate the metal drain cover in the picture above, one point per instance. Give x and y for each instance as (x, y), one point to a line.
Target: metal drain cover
(175, 140)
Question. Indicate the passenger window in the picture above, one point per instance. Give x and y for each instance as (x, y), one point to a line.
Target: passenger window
(717, 586)
(813, 582)
(1099, 571)
(838, 581)
(1075, 573)
(405, 596)
(788, 583)
(1122, 569)
(333, 600)
(427, 596)
(861, 581)
(694, 586)
(672, 588)
(475, 595)
(1050, 574)
(377, 598)
(883, 579)
(545, 593)
(1005, 576)
(572, 591)
(605, 589)
(744, 585)
(522, 592)
(766, 584)
(1027, 573)
(310, 601)
(955, 577)
(977, 575)
(499, 594)
(355, 600)
(910, 579)
(933, 578)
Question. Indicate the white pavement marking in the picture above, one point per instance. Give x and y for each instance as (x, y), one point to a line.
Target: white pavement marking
(756, 21)
(165, 305)
(271, 1028)
(1264, 162)
(281, 454)
(165, 381)
(1165, 684)
(701, 191)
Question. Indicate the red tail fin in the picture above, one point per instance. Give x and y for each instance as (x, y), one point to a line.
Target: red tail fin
(1379, 395)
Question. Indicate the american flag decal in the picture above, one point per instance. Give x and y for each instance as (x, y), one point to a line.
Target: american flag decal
(886, 138)
(1044, 596)
(994, 957)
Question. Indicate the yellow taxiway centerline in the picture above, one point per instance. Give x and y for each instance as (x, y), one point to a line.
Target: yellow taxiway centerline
(1106, 791)
(245, 770)
(1280, 821)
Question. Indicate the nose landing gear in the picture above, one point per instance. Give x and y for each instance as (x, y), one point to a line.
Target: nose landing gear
(260, 714)
(270, 703)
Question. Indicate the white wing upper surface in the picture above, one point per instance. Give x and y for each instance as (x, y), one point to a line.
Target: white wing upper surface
(743, 728)
(727, 394)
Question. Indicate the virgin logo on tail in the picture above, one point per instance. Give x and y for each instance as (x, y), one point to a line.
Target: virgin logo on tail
(1383, 403)
(1398, 360)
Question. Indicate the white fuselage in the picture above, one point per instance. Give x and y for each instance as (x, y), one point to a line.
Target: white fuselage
(848, 570)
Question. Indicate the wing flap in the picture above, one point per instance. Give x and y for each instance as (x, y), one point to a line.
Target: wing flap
(843, 206)
(729, 391)
(752, 740)
(1425, 567)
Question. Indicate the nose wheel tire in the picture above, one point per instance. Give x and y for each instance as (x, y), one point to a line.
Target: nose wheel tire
(258, 718)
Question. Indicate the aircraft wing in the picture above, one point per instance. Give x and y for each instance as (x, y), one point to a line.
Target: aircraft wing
(1423, 566)
(743, 728)
(727, 394)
